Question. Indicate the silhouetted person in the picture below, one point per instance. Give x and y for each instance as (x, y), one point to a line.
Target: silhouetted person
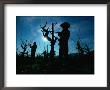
(63, 41)
(33, 50)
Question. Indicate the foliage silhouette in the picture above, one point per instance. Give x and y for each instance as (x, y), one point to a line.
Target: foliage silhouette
(75, 64)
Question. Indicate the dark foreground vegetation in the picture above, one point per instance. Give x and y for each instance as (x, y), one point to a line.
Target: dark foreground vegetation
(76, 64)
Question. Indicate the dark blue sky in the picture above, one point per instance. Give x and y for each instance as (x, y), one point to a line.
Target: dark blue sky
(28, 28)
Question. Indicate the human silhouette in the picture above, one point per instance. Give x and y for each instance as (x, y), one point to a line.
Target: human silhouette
(33, 50)
(63, 40)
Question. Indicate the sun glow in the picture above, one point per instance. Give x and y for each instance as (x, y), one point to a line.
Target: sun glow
(44, 39)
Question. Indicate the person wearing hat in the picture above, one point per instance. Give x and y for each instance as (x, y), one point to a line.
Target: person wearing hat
(63, 41)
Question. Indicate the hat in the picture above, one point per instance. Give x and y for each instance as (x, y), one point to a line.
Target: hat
(65, 24)
(34, 43)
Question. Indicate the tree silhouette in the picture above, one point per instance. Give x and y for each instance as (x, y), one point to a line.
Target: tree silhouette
(24, 45)
(52, 39)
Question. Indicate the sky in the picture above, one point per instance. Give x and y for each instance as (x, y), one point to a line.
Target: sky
(28, 28)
